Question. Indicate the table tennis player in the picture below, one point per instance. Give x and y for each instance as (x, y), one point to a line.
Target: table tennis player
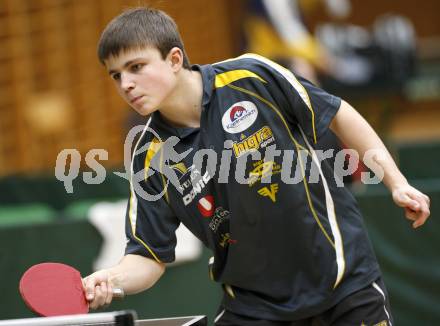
(285, 253)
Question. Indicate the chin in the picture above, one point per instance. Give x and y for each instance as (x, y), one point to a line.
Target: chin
(145, 111)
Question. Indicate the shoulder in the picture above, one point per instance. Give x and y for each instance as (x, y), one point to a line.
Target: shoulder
(257, 64)
(246, 61)
(249, 65)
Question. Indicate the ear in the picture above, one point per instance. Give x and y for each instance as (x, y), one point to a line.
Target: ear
(175, 57)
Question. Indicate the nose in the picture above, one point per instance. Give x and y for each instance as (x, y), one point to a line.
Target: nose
(127, 83)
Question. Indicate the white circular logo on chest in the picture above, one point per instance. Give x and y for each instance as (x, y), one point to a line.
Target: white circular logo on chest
(239, 117)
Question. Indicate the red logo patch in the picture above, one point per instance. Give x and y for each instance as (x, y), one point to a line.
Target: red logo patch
(236, 112)
(206, 206)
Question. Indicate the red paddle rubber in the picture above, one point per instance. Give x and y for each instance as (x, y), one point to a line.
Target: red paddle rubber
(53, 289)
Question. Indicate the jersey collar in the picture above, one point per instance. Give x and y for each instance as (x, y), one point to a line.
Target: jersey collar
(208, 78)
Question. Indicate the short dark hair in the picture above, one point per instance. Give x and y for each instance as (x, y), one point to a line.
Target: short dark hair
(137, 28)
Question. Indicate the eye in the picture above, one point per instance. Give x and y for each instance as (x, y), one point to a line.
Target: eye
(136, 67)
(116, 76)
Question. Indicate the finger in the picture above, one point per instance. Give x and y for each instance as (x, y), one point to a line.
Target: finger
(415, 215)
(428, 200)
(104, 290)
(423, 216)
(412, 204)
(100, 295)
(424, 206)
(403, 200)
(90, 284)
(109, 294)
(419, 222)
(422, 199)
(95, 303)
(411, 215)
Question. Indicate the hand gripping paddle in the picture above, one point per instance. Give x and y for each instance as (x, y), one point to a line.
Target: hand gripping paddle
(54, 289)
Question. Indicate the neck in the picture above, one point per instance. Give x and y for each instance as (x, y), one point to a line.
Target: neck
(183, 108)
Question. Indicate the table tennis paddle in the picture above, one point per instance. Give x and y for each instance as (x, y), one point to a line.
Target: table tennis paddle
(54, 289)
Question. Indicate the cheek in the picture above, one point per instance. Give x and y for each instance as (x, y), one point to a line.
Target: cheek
(160, 75)
(162, 83)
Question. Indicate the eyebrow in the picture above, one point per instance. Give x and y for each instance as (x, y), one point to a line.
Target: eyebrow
(129, 62)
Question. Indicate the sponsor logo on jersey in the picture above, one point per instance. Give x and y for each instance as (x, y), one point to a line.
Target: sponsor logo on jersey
(239, 117)
(186, 180)
(197, 186)
(226, 239)
(206, 206)
(221, 215)
(262, 170)
(269, 191)
(258, 139)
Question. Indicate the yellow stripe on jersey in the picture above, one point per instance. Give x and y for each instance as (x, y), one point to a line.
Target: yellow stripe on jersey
(292, 80)
(229, 290)
(132, 216)
(180, 167)
(154, 147)
(228, 77)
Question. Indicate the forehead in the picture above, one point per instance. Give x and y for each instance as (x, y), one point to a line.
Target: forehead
(117, 62)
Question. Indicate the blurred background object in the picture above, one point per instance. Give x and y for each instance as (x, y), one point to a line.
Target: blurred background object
(278, 30)
(383, 57)
(48, 63)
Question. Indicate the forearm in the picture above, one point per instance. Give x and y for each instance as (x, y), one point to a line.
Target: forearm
(135, 273)
(355, 132)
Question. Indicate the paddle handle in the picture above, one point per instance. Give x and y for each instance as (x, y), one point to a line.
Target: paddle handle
(118, 293)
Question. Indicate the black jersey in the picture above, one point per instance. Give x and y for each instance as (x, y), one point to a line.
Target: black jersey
(285, 246)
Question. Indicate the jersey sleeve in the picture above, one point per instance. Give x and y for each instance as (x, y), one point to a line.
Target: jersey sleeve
(313, 110)
(298, 99)
(150, 222)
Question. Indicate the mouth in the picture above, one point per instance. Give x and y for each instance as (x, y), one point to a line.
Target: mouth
(136, 99)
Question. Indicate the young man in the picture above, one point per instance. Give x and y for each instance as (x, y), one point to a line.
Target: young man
(286, 253)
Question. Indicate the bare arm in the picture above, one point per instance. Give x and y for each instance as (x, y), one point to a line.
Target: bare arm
(355, 132)
(133, 274)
